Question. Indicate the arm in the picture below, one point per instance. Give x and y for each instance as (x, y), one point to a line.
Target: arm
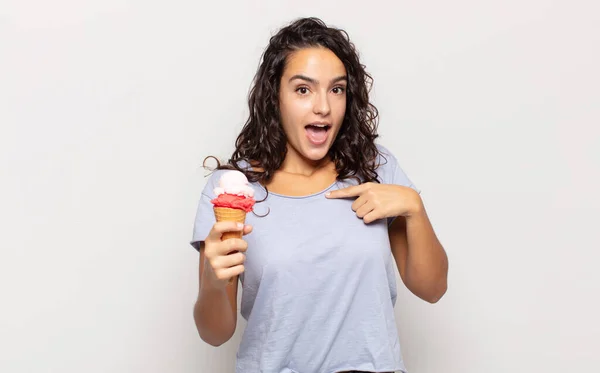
(420, 257)
(215, 310)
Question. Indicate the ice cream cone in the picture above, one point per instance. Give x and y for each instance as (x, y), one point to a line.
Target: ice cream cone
(229, 214)
(234, 198)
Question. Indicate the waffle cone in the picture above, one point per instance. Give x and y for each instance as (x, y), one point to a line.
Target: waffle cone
(229, 214)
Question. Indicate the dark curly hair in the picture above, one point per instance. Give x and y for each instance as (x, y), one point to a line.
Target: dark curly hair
(262, 141)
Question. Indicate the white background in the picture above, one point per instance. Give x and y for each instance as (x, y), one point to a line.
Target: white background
(107, 109)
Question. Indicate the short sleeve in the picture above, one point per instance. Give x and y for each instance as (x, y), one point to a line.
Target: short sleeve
(399, 177)
(390, 172)
(205, 217)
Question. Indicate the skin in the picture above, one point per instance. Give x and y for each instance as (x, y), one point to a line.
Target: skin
(313, 89)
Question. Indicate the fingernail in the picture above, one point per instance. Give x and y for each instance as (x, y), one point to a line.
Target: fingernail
(327, 194)
(240, 225)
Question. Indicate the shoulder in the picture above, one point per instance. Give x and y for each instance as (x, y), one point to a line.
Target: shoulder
(389, 171)
(212, 181)
(385, 163)
(214, 175)
(383, 150)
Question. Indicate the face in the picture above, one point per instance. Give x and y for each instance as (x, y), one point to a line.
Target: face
(312, 101)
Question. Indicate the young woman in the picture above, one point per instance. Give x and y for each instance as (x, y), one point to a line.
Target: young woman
(335, 214)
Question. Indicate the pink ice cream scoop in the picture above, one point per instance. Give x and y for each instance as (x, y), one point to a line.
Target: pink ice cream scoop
(234, 191)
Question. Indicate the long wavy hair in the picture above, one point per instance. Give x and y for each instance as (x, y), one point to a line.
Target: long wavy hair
(262, 141)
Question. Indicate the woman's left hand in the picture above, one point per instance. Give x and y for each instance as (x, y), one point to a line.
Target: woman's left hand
(379, 201)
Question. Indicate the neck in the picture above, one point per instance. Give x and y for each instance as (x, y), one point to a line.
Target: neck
(295, 163)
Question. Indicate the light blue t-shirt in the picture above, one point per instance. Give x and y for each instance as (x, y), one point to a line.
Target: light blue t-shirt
(319, 285)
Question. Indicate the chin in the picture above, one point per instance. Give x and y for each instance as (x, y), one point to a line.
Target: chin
(316, 154)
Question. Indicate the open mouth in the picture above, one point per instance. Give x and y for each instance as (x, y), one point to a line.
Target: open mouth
(318, 127)
(317, 133)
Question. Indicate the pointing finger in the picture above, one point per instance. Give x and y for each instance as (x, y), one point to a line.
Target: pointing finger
(351, 191)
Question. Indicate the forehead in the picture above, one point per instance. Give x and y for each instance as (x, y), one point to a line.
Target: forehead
(314, 62)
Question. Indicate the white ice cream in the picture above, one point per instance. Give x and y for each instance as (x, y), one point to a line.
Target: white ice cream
(234, 182)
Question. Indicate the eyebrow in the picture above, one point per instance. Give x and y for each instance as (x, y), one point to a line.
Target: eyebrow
(314, 81)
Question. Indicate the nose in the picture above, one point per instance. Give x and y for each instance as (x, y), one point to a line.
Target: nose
(321, 104)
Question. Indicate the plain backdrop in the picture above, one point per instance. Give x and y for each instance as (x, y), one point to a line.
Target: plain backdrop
(108, 108)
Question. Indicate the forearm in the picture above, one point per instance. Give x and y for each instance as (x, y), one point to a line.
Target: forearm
(213, 313)
(426, 262)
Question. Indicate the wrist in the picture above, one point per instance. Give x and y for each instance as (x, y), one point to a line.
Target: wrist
(415, 206)
(213, 285)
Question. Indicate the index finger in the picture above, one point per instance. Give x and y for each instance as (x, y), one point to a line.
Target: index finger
(223, 226)
(351, 191)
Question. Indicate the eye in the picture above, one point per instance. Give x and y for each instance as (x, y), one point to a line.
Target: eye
(302, 90)
(339, 90)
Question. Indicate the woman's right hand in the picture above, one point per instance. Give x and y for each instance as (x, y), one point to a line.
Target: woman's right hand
(224, 259)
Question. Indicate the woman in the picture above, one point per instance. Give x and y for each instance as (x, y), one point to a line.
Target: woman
(335, 214)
